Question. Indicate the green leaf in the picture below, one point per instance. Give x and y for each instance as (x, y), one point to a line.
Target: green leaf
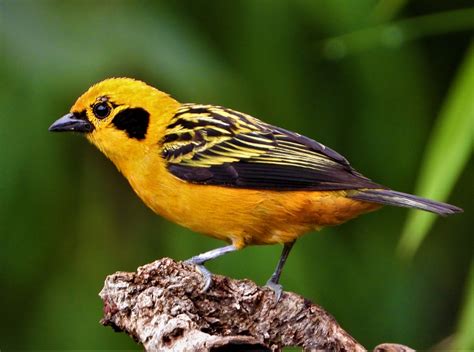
(394, 34)
(448, 151)
(464, 338)
(386, 9)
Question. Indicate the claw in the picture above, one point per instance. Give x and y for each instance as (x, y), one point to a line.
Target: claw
(272, 283)
(200, 259)
(206, 274)
(206, 277)
(276, 288)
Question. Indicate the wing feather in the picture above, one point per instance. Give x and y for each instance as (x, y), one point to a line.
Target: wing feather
(213, 145)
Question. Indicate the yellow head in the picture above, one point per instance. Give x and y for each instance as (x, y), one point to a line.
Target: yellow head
(123, 117)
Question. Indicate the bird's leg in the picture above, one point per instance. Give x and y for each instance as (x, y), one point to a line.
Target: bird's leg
(275, 278)
(200, 259)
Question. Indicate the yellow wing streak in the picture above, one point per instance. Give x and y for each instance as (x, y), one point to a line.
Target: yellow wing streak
(217, 146)
(205, 135)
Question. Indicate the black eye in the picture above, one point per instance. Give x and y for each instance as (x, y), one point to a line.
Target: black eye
(101, 110)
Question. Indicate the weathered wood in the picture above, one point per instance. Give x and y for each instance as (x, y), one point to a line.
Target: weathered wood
(162, 307)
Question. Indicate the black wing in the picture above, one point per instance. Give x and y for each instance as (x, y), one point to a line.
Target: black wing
(217, 146)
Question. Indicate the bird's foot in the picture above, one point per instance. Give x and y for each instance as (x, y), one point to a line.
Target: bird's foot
(202, 258)
(206, 274)
(276, 288)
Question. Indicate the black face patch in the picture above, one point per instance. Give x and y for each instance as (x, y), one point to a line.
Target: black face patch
(81, 115)
(134, 121)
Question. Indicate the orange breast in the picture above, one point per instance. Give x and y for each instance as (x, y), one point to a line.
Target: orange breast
(241, 216)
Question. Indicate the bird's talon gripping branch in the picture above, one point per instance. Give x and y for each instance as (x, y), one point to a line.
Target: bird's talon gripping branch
(273, 282)
(200, 259)
(276, 288)
(206, 274)
(206, 277)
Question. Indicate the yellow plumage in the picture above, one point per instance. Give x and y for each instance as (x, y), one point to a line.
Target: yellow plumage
(223, 173)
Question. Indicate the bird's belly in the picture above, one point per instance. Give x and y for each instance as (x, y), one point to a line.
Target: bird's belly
(244, 216)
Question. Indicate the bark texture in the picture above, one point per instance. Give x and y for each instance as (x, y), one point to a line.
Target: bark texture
(162, 307)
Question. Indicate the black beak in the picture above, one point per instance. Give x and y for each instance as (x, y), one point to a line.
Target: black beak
(70, 123)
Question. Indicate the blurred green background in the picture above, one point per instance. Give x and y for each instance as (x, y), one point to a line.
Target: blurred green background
(389, 84)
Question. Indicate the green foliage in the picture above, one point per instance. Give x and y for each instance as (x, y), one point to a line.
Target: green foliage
(68, 219)
(447, 154)
(464, 339)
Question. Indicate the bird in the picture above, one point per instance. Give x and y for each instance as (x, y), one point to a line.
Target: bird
(224, 173)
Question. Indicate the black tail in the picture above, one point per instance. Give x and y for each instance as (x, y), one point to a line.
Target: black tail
(399, 199)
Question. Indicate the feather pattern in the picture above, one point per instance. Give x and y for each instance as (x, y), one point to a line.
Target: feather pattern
(214, 145)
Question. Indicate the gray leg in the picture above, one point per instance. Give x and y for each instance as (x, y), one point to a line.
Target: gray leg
(275, 278)
(200, 259)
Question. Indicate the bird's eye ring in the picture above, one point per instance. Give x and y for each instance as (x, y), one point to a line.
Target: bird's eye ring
(101, 110)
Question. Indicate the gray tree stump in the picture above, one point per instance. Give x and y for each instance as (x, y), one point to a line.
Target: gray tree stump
(162, 307)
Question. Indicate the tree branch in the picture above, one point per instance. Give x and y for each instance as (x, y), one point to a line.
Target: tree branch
(161, 306)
